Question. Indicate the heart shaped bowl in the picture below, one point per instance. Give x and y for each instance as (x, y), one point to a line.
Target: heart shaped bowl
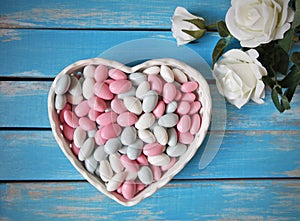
(205, 112)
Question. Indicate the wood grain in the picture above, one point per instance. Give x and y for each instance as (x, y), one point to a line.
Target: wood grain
(104, 14)
(243, 154)
(27, 101)
(179, 200)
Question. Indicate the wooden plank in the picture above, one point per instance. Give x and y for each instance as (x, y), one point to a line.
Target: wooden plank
(196, 200)
(104, 14)
(44, 53)
(34, 155)
(27, 102)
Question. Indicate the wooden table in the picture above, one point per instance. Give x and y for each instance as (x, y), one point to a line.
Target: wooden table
(255, 175)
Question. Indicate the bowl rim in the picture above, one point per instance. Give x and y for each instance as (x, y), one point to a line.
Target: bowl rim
(205, 112)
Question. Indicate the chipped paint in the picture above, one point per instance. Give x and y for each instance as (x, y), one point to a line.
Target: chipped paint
(19, 88)
(8, 35)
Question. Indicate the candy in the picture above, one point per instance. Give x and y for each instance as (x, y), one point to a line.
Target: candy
(177, 150)
(142, 89)
(107, 118)
(88, 88)
(145, 175)
(161, 135)
(101, 90)
(153, 149)
(184, 124)
(75, 87)
(86, 149)
(128, 189)
(101, 73)
(128, 135)
(79, 136)
(146, 135)
(60, 101)
(120, 86)
(169, 93)
(128, 130)
(105, 170)
(127, 119)
(115, 181)
(166, 73)
(82, 109)
(168, 120)
(112, 145)
(63, 84)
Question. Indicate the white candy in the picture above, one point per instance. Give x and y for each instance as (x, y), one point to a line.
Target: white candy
(100, 154)
(75, 87)
(150, 100)
(90, 164)
(167, 74)
(171, 107)
(177, 150)
(152, 70)
(79, 136)
(137, 78)
(112, 145)
(105, 171)
(168, 120)
(179, 76)
(146, 136)
(128, 135)
(145, 121)
(133, 104)
(115, 181)
(86, 149)
(89, 71)
(60, 101)
(142, 89)
(115, 162)
(159, 160)
(87, 88)
(172, 134)
(63, 84)
(161, 135)
(145, 175)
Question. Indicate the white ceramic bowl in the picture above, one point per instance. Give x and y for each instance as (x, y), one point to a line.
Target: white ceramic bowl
(205, 112)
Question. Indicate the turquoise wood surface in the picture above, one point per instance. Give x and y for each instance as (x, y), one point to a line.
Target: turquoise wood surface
(255, 175)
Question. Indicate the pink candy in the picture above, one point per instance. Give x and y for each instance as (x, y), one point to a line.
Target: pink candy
(120, 86)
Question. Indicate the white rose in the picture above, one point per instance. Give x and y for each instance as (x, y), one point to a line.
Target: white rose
(180, 22)
(255, 22)
(239, 77)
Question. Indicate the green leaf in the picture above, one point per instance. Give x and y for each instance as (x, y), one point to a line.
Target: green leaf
(200, 23)
(273, 58)
(195, 34)
(218, 50)
(289, 93)
(287, 42)
(285, 102)
(295, 58)
(268, 81)
(296, 21)
(292, 79)
(222, 29)
(276, 101)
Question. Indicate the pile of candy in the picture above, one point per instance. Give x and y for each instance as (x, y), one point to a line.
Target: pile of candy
(128, 129)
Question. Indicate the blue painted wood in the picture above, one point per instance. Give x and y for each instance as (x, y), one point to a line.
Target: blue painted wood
(104, 14)
(27, 101)
(44, 53)
(243, 154)
(180, 200)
